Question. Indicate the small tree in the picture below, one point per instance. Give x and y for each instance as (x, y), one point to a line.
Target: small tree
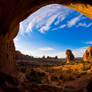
(56, 57)
(48, 57)
(43, 57)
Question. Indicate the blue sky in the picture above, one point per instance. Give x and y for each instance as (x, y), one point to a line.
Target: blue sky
(52, 29)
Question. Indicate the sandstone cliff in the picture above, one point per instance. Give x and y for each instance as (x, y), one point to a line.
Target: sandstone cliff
(88, 54)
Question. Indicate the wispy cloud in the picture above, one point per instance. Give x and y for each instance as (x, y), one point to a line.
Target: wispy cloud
(73, 21)
(48, 24)
(60, 18)
(62, 26)
(55, 14)
(79, 52)
(88, 42)
(46, 49)
(84, 25)
(44, 17)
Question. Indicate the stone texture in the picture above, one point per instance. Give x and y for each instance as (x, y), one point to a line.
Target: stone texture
(69, 55)
(12, 12)
(88, 54)
(7, 58)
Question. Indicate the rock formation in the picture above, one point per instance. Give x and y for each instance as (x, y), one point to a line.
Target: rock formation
(69, 55)
(88, 54)
(20, 56)
(12, 12)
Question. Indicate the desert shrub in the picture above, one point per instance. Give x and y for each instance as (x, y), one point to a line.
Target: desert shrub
(54, 78)
(81, 61)
(90, 62)
(56, 57)
(63, 63)
(48, 65)
(86, 66)
(83, 73)
(67, 76)
(35, 76)
(21, 69)
(78, 76)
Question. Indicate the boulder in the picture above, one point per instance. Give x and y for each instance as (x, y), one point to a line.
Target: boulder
(88, 54)
(69, 55)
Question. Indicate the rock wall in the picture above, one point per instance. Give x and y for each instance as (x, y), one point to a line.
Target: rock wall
(7, 58)
(12, 12)
(88, 54)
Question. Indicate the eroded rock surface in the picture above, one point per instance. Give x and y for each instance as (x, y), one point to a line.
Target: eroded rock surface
(7, 57)
(69, 55)
(88, 54)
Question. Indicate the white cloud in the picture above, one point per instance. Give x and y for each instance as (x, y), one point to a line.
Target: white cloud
(73, 21)
(39, 53)
(46, 49)
(79, 52)
(17, 45)
(22, 31)
(89, 25)
(88, 42)
(44, 17)
(62, 26)
(48, 24)
(60, 18)
(84, 25)
(16, 39)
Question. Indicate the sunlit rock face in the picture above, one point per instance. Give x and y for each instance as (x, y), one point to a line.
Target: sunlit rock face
(12, 12)
(69, 55)
(88, 54)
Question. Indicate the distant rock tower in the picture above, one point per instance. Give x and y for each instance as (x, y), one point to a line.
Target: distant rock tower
(88, 54)
(69, 55)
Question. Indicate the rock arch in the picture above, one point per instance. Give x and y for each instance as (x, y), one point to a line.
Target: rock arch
(12, 12)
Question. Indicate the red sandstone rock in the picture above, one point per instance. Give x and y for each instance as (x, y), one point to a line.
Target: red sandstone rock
(69, 55)
(88, 54)
(18, 55)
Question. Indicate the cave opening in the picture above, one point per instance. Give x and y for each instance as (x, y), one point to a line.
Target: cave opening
(44, 36)
(12, 12)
